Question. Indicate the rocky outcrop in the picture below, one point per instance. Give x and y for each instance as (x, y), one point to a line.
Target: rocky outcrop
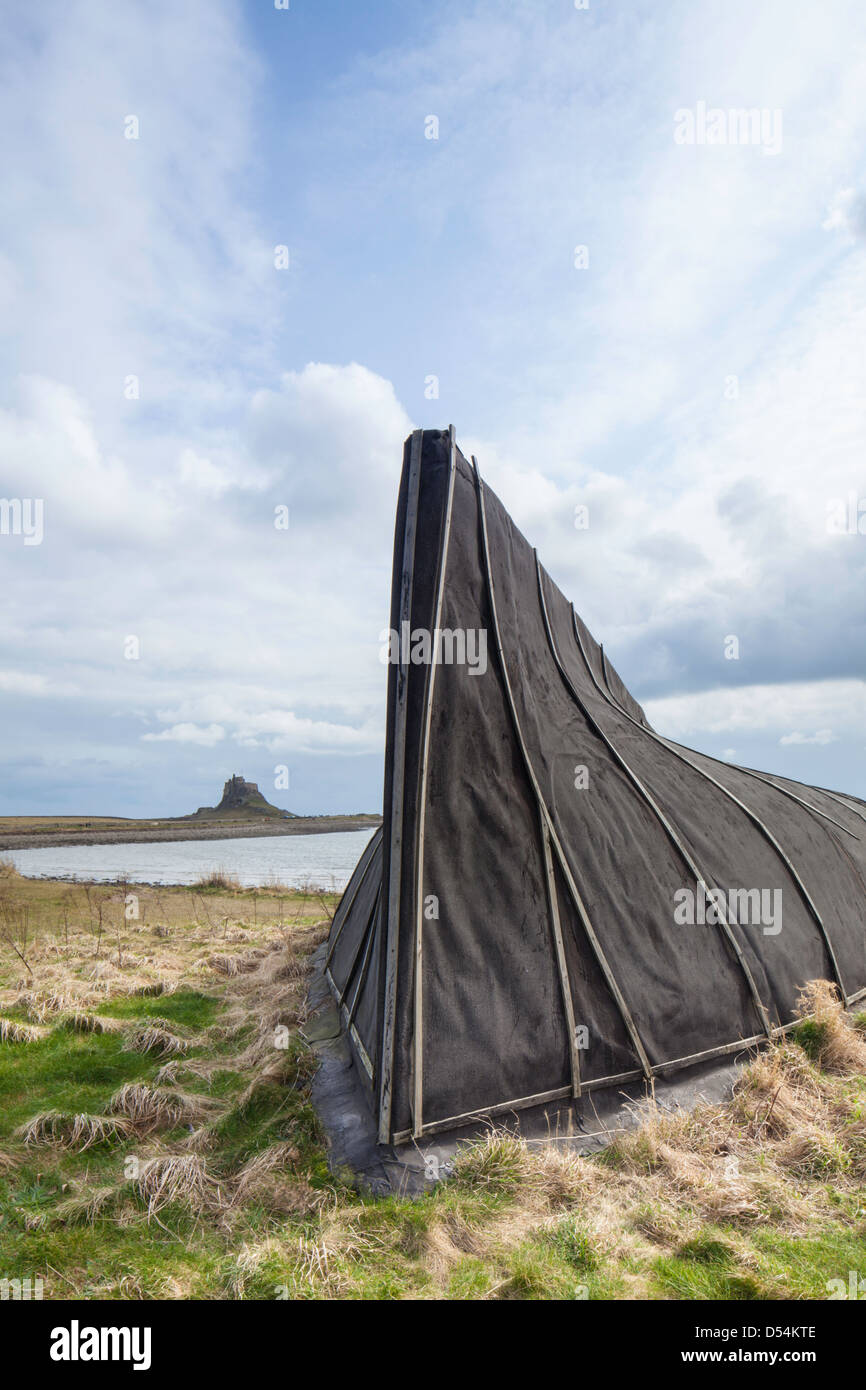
(241, 796)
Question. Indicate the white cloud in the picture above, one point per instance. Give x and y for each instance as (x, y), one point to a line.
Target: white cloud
(51, 450)
(847, 213)
(283, 731)
(200, 473)
(22, 683)
(334, 435)
(829, 705)
(279, 730)
(821, 737)
(189, 733)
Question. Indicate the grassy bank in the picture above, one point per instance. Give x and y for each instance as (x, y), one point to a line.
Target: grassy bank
(157, 1138)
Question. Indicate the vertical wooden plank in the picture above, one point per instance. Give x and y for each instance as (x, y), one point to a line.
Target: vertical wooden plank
(397, 794)
(418, 1030)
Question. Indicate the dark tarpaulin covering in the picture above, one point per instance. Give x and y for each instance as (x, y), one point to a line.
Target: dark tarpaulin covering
(508, 938)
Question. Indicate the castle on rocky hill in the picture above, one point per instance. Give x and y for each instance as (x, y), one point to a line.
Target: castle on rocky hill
(241, 796)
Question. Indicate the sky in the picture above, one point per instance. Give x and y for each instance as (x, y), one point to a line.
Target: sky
(242, 248)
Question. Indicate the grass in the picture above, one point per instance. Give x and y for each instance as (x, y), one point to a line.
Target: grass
(218, 881)
(156, 1107)
(156, 1038)
(156, 1143)
(78, 1132)
(12, 1031)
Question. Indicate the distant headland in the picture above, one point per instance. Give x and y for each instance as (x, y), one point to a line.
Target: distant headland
(241, 812)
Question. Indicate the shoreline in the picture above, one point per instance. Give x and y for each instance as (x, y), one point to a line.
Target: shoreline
(209, 830)
(264, 889)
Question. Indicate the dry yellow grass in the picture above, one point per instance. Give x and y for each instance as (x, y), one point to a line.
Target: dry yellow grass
(838, 1046)
(237, 964)
(79, 1021)
(180, 1178)
(156, 1037)
(75, 940)
(157, 1107)
(270, 1180)
(13, 1032)
(79, 1132)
